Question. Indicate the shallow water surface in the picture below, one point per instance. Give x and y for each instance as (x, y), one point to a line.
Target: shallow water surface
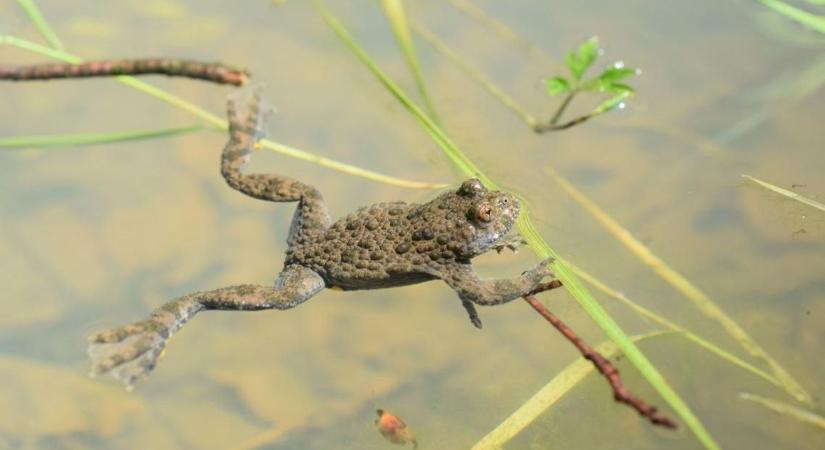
(97, 236)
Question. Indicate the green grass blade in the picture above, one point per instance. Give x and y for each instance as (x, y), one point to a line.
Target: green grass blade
(789, 194)
(547, 396)
(221, 124)
(499, 27)
(810, 20)
(69, 140)
(475, 74)
(688, 289)
(40, 22)
(535, 241)
(698, 340)
(785, 409)
(394, 9)
(462, 162)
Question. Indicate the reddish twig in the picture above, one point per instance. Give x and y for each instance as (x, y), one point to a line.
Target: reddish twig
(620, 393)
(214, 72)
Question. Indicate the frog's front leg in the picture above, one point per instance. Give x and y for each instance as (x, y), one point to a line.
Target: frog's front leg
(129, 353)
(474, 291)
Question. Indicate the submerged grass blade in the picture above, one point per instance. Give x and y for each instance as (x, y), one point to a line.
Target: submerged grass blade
(688, 289)
(394, 10)
(792, 12)
(698, 340)
(535, 241)
(785, 409)
(42, 26)
(547, 396)
(461, 161)
(221, 124)
(475, 74)
(69, 140)
(499, 27)
(790, 194)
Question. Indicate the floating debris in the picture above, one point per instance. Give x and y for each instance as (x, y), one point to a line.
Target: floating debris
(394, 429)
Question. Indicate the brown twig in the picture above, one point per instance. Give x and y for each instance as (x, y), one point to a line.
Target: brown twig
(554, 125)
(548, 126)
(620, 393)
(214, 72)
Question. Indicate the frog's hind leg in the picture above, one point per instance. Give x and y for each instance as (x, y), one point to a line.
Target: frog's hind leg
(129, 353)
(246, 120)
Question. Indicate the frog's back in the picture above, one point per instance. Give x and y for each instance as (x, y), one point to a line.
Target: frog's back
(365, 249)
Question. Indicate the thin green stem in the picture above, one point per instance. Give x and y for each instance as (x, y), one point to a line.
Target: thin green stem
(475, 74)
(641, 310)
(786, 193)
(564, 104)
(40, 22)
(67, 140)
(802, 415)
(394, 9)
(499, 27)
(804, 17)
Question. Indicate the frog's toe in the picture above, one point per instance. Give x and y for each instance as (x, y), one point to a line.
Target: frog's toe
(540, 271)
(116, 335)
(127, 356)
(512, 243)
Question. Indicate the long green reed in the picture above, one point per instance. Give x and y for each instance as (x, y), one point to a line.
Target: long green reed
(696, 339)
(796, 413)
(394, 9)
(40, 23)
(69, 140)
(786, 193)
(475, 74)
(683, 285)
(534, 240)
(503, 30)
(547, 396)
(810, 20)
(220, 124)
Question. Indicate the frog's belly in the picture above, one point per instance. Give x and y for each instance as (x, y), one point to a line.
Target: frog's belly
(377, 281)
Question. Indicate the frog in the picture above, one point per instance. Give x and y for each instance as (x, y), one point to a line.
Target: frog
(384, 245)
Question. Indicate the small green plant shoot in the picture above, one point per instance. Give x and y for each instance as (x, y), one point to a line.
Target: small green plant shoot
(610, 81)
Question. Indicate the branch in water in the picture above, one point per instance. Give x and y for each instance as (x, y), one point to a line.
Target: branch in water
(620, 392)
(173, 67)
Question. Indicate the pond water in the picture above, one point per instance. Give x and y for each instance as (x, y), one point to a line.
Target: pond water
(97, 236)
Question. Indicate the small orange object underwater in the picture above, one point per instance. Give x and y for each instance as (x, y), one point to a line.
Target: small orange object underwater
(394, 429)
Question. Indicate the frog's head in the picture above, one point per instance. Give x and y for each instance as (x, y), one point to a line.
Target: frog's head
(490, 216)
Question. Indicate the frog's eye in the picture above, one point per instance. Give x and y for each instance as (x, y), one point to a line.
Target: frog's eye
(485, 212)
(471, 187)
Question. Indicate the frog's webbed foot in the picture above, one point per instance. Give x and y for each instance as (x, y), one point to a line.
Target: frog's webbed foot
(129, 353)
(512, 243)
